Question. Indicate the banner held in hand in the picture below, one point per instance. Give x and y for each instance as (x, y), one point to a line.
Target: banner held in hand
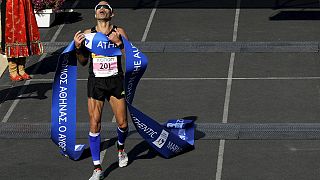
(170, 139)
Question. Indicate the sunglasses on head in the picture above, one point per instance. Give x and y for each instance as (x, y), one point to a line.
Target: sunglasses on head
(105, 6)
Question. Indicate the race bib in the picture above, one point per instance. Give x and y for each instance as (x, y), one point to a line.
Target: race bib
(104, 66)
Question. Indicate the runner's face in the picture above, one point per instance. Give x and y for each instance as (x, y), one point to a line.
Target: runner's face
(103, 11)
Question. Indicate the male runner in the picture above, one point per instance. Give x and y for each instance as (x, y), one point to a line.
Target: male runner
(105, 81)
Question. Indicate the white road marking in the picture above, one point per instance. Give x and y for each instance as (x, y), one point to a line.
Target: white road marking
(228, 93)
(146, 31)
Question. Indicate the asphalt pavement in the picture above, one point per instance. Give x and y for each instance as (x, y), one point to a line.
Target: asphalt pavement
(246, 71)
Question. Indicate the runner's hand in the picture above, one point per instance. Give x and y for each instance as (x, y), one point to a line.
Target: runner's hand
(115, 37)
(79, 37)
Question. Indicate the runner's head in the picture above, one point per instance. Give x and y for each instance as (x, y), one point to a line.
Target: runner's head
(103, 11)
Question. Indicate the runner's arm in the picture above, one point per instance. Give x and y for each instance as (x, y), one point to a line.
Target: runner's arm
(115, 37)
(82, 53)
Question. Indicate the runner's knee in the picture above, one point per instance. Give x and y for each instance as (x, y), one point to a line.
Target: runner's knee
(122, 123)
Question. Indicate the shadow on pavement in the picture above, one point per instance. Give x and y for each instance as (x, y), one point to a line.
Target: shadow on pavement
(47, 65)
(296, 15)
(135, 154)
(67, 18)
(35, 91)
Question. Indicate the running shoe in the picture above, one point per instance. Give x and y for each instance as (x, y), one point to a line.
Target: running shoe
(123, 158)
(97, 174)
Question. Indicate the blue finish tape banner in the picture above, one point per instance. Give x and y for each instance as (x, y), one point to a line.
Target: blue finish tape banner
(183, 128)
(63, 111)
(170, 139)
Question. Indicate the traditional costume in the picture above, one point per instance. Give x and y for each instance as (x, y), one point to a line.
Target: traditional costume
(20, 36)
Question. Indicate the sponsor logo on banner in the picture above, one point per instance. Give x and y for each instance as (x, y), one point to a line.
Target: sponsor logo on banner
(161, 140)
(78, 147)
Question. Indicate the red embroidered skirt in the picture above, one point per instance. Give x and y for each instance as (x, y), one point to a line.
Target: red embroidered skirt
(22, 37)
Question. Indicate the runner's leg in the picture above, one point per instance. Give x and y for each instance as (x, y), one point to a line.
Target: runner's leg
(95, 108)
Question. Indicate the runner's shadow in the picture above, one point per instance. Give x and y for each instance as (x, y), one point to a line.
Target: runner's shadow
(141, 151)
(134, 154)
(35, 91)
